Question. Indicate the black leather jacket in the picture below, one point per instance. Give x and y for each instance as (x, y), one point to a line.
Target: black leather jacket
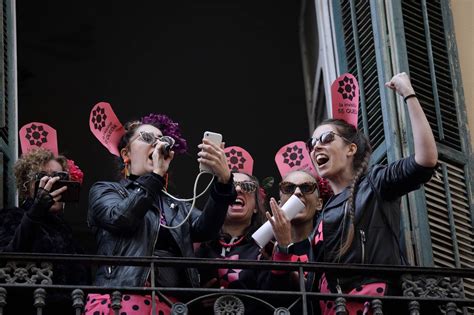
(377, 217)
(125, 218)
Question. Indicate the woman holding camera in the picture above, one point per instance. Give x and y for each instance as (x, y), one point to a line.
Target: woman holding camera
(38, 225)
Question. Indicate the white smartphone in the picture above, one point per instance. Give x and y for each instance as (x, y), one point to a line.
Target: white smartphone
(215, 138)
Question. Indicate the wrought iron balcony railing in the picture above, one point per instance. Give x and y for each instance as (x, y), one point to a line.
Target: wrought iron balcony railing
(422, 287)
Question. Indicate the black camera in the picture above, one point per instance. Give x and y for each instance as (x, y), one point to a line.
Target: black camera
(70, 195)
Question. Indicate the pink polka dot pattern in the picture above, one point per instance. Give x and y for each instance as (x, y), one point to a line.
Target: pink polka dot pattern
(357, 308)
(132, 304)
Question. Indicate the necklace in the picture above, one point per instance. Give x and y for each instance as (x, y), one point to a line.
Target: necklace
(234, 241)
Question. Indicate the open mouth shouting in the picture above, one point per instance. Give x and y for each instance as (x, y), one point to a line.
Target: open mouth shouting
(321, 159)
(238, 204)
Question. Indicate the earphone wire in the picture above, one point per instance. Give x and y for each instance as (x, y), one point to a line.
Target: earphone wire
(194, 198)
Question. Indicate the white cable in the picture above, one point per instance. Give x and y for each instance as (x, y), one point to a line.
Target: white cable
(193, 199)
(194, 196)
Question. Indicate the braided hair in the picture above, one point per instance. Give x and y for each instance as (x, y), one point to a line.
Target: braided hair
(360, 165)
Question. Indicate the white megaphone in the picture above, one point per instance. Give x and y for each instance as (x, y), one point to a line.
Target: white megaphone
(265, 233)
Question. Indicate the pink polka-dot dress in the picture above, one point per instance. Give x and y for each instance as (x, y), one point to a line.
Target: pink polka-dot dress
(132, 304)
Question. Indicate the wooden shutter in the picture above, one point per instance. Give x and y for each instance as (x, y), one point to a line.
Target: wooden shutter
(363, 51)
(422, 43)
(358, 56)
(432, 59)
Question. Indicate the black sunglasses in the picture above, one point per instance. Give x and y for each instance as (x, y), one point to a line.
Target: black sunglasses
(307, 188)
(325, 138)
(246, 186)
(62, 175)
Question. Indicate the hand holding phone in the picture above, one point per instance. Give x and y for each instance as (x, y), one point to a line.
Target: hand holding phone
(215, 138)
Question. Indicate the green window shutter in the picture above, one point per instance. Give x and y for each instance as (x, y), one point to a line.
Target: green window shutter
(432, 63)
(8, 123)
(432, 60)
(449, 217)
(429, 67)
(364, 53)
(374, 39)
(358, 40)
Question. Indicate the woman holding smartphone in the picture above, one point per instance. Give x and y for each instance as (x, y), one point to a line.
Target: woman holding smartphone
(131, 217)
(38, 224)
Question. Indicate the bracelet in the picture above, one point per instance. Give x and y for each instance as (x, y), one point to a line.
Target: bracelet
(408, 96)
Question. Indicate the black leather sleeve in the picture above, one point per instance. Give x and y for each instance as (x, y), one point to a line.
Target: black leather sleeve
(207, 224)
(119, 209)
(400, 177)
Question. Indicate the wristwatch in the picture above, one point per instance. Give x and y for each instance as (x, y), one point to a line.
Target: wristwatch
(287, 250)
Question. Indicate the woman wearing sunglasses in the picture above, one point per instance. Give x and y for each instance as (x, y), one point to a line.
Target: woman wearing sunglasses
(294, 237)
(305, 187)
(244, 216)
(361, 222)
(38, 225)
(131, 217)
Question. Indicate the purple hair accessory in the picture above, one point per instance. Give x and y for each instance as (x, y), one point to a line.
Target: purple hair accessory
(168, 128)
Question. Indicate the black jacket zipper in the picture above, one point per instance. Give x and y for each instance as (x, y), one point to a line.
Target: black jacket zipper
(362, 242)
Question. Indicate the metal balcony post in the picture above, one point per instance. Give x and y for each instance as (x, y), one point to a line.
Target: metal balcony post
(116, 301)
(77, 301)
(39, 300)
(3, 299)
(341, 306)
(377, 307)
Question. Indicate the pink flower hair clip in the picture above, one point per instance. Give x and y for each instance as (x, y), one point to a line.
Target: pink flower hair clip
(75, 172)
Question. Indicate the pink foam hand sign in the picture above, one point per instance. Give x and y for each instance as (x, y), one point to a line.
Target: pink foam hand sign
(38, 135)
(106, 127)
(345, 98)
(239, 160)
(293, 157)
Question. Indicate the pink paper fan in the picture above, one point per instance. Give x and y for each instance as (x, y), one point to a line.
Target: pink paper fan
(239, 159)
(106, 127)
(293, 157)
(345, 98)
(38, 135)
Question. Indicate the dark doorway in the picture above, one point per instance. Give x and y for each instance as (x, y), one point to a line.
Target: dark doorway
(228, 66)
